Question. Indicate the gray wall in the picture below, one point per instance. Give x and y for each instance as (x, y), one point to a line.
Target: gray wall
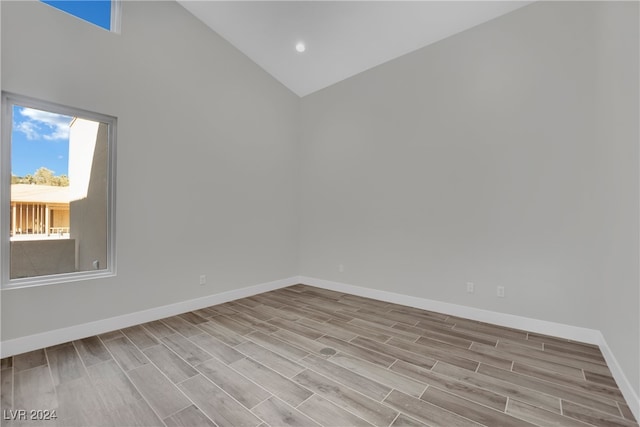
(617, 130)
(31, 258)
(88, 216)
(505, 155)
(500, 156)
(205, 159)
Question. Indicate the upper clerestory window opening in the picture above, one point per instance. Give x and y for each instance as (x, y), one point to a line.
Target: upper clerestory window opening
(103, 13)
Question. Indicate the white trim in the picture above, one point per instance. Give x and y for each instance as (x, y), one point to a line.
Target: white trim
(630, 395)
(5, 187)
(560, 330)
(591, 336)
(59, 336)
(116, 16)
(9, 100)
(575, 333)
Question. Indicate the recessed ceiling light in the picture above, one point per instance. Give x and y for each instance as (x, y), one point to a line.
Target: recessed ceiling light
(300, 47)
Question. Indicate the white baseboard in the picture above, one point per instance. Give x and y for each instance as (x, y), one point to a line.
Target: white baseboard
(630, 395)
(59, 336)
(575, 333)
(591, 336)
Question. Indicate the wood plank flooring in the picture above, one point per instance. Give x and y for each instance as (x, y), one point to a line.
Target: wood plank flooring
(304, 356)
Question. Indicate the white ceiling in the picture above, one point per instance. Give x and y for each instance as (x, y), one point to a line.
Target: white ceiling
(343, 38)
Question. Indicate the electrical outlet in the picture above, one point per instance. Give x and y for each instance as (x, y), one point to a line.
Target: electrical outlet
(470, 287)
(341, 268)
(500, 291)
(203, 279)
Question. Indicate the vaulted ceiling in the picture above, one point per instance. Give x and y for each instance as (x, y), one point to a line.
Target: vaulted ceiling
(342, 38)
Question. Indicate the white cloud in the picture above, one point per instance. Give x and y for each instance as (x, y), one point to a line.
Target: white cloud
(43, 124)
(28, 129)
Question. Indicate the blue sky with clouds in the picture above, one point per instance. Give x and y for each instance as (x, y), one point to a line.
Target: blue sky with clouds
(39, 138)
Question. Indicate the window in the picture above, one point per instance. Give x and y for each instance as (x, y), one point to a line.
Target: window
(58, 193)
(103, 13)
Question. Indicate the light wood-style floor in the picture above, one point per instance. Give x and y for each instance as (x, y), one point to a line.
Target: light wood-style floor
(304, 356)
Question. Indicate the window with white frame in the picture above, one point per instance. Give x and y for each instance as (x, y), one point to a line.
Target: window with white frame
(58, 193)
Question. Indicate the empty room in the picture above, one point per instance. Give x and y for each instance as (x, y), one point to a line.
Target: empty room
(319, 213)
